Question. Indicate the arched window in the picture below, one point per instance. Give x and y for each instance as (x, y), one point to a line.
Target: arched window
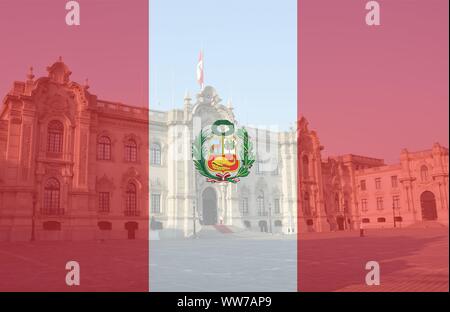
(131, 151)
(131, 200)
(155, 154)
(336, 203)
(424, 173)
(305, 162)
(306, 204)
(260, 204)
(244, 205)
(104, 148)
(51, 196)
(55, 136)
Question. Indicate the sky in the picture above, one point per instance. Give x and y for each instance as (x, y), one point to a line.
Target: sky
(110, 47)
(250, 55)
(375, 90)
(366, 90)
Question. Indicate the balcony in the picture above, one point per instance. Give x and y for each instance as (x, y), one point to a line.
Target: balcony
(132, 213)
(52, 211)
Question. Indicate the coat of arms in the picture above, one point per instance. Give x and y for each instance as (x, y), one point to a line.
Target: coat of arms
(223, 154)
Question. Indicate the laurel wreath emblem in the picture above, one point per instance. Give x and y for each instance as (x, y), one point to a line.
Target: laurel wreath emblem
(246, 155)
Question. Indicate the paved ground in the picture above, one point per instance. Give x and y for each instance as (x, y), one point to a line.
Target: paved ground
(410, 260)
(235, 264)
(41, 266)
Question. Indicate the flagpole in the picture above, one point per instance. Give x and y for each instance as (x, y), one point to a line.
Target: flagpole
(203, 70)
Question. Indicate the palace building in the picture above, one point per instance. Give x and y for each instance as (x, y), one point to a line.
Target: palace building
(72, 166)
(340, 193)
(337, 193)
(75, 167)
(266, 200)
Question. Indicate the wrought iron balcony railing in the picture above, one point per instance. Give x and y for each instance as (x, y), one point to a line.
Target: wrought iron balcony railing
(52, 211)
(132, 213)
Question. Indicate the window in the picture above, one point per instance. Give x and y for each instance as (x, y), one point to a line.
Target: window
(394, 181)
(55, 137)
(365, 220)
(260, 205)
(381, 220)
(305, 162)
(131, 151)
(155, 154)
(51, 196)
(258, 166)
(378, 183)
(306, 205)
(363, 185)
(396, 202)
(51, 226)
(104, 225)
(380, 203)
(276, 206)
(346, 208)
(424, 173)
(267, 142)
(156, 203)
(276, 171)
(103, 202)
(364, 205)
(244, 206)
(104, 148)
(131, 200)
(336, 203)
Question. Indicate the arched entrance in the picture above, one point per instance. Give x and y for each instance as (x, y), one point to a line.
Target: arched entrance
(209, 205)
(263, 226)
(340, 223)
(131, 228)
(428, 205)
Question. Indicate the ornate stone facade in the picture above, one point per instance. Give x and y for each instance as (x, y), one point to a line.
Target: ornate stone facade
(266, 200)
(72, 166)
(343, 192)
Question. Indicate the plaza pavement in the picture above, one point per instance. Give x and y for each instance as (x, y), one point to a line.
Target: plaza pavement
(410, 260)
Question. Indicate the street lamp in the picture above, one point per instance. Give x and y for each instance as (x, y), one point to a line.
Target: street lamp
(270, 218)
(393, 213)
(33, 217)
(193, 218)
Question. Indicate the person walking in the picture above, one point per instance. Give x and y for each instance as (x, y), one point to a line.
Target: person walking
(361, 229)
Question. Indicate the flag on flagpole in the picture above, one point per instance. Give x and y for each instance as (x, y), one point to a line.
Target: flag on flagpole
(200, 70)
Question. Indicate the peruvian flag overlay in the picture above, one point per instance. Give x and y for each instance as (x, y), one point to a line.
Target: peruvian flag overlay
(324, 168)
(373, 145)
(74, 146)
(223, 169)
